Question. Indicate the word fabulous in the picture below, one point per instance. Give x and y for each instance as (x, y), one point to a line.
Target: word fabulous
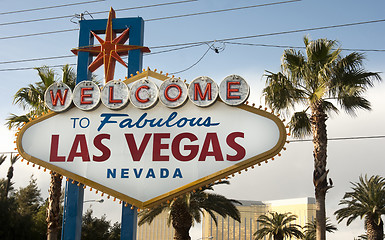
(144, 93)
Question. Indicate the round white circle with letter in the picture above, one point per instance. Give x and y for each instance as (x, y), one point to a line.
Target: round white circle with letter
(115, 95)
(173, 93)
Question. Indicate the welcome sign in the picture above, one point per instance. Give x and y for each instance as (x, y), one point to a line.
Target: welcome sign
(146, 155)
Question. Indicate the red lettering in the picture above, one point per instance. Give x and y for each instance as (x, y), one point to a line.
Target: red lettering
(83, 95)
(106, 152)
(211, 138)
(135, 152)
(240, 151)
(158, 146)
(137, 94)
(230, 90)
(59, 97)
(175, 147)
(111, 96)
(168, 88)
(198, 90)
(53, 156)
(80, 140)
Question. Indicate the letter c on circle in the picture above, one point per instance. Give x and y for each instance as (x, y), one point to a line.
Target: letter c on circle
(137, 94)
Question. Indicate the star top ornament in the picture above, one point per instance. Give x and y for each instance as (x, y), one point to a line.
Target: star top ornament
(110, 50)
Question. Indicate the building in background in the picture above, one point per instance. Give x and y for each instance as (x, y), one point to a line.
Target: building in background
(157, 230)
(229, 229)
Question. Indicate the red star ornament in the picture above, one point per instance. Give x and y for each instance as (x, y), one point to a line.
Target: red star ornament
(110, 50)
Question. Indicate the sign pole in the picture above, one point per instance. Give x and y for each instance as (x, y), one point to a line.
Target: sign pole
(73, 205)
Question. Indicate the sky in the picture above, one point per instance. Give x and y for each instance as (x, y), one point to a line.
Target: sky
(250, 39)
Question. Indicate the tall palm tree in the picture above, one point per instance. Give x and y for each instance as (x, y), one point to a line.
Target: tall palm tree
(310, 229)
(316, 81)
(183, 211)
(277, 226)
(2, 159)
(367, 200)
(31, 99)
(13, 159)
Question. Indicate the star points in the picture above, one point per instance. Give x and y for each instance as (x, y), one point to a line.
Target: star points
(110, 50)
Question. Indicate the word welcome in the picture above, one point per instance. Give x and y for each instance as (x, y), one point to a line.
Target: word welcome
(144, 93)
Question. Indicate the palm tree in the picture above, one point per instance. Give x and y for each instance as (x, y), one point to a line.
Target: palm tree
(31, 99)
(2, 159)
(277, 226)
(13, 159)
(367, 200)
(316, 81)
(310, 229)
(183, 211)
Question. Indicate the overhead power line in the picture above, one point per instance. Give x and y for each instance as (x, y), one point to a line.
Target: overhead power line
(49, 7)
(277, 33)
(94, 13)
(341, 138)
(29, 68)
(39, 34)
(288, 46)
(226, 39)
(189, 46)
(221, 10)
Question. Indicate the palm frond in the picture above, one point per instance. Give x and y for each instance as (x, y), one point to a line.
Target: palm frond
(14, 158)
(366, 200)
(148, 215)
(352, 103)
(299, 124)
(15, 121)
(2, 158)
(279, 225)
(280, 93)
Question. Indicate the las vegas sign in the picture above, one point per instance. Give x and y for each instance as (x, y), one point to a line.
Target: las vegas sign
(151, 138)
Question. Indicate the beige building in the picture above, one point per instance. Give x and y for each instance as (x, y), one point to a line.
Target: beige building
(157, 230)
(228, 228)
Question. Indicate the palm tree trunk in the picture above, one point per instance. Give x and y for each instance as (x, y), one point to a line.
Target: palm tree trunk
(374, 231)
(9, 177)
(53, 211)
(181, 221)
(318, 124)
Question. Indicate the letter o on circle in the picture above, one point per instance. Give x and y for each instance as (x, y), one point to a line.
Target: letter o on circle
(173, 93)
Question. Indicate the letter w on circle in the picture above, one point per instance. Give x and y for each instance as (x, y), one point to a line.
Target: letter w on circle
(59, 96)
(136, 152)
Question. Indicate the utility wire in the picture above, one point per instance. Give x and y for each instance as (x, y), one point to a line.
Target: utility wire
(29, 68)
(288, 46)
(94, 13)
(38, 34)
(225, 39)
(341, 138)
(49, 7)
(276, 33)
(221, 10)
(190, 46)
(200, 59)
(36, 59)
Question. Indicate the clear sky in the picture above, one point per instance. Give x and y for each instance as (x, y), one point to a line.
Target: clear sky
(250, 40)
